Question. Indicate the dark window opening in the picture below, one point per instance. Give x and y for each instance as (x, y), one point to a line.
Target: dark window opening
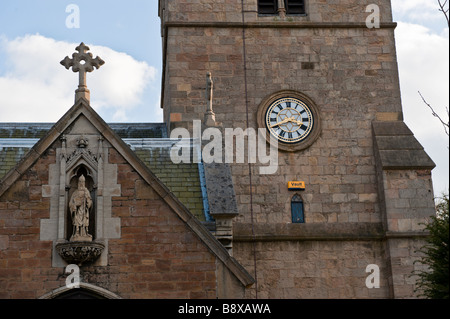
(291, 6)
(268, 6)
(295, 6)
(297, 210)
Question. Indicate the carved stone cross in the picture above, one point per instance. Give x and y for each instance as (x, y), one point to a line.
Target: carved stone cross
(82, 62)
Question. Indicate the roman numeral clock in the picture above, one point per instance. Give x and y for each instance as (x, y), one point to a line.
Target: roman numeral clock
(291, 118)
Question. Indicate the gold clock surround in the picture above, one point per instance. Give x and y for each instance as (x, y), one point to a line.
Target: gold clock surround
(312, 135)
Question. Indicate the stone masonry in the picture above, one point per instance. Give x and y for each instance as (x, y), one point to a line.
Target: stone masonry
(351, 74)
(156, 257)
(158, 248)
(367, 179)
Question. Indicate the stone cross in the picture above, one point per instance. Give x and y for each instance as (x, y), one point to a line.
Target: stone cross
(82, 62)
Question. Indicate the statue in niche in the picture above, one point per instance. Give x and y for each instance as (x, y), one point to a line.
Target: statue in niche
(79, 205)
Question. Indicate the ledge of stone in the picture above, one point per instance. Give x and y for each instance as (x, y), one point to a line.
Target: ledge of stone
(315, 231)
(242, 232)
(275, 24)
(397, 148)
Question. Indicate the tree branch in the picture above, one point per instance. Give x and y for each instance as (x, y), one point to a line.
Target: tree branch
(446, 125)
(443, 10)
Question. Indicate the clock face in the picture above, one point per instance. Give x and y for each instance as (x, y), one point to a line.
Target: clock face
(289, 119)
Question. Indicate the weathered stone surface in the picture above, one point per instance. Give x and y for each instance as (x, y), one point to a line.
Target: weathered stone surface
(397, 147)
(80, 253)
(368, 182)
(350, 72)
(220, 189)
(4, 242)
(155, 247)
(307, 232)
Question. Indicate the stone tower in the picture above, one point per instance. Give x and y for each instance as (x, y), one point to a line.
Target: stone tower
(367, 181)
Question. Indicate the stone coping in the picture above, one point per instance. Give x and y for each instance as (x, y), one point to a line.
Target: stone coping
(242, 232)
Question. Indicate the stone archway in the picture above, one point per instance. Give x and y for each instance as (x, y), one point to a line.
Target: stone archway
(86, 291)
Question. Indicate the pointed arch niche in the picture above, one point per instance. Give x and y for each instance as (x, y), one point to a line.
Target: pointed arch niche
(81, 170)
(82, 152)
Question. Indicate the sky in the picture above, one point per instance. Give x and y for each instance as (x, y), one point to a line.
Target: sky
(126, 34)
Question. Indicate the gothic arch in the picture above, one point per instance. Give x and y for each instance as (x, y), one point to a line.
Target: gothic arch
(73, 176)
(86, 291)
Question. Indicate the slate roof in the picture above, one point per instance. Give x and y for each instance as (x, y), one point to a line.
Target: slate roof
(185, 180)
(150, 143)
(124, 130)
(82, 109)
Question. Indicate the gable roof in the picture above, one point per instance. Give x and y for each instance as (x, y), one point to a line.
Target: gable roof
(124, 130)
(147, 140)
(81, 107)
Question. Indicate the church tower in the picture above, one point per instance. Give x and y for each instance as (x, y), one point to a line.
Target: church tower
(320, 78)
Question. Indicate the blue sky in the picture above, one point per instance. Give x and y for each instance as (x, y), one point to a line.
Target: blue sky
(131, 27)
(126, 34)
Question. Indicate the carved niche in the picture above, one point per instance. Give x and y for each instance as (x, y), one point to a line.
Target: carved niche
(80, 172)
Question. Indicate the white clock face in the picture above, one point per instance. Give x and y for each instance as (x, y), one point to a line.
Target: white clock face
(290, 120)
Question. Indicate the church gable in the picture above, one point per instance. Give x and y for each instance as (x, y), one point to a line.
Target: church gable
(152, 246)
(147, 140)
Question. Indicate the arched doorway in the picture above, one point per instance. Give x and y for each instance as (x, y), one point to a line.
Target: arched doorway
(86, 291)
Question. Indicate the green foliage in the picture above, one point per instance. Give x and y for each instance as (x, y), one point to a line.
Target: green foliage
(434, 282)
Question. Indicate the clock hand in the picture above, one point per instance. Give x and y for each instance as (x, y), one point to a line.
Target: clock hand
(287, 119)
(299, 123)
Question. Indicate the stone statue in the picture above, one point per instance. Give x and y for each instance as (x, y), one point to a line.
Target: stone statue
(209, 90)
(210, 117)
(80, 204)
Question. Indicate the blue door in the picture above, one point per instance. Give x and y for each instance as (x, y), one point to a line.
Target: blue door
(297, 209)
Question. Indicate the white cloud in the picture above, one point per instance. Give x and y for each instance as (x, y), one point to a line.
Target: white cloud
(36, 88)
(423, 59)
(423, 12)
(417, 10)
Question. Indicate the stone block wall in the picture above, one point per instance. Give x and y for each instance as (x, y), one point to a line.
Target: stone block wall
(408, 204)
(231, 11)
(350, 74)
(26, 261)
(315, 269)
(157, 256)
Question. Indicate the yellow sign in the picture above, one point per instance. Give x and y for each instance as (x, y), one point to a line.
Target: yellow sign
(293, 186)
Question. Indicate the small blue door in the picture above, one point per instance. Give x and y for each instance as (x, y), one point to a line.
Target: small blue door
(297, 209)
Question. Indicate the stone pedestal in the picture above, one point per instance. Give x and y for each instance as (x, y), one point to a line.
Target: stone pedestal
(210, 119)
(80, 253)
